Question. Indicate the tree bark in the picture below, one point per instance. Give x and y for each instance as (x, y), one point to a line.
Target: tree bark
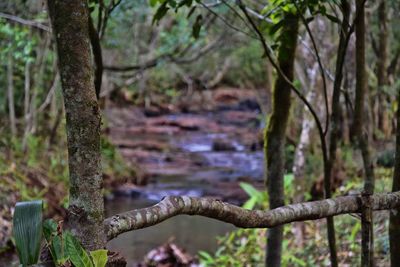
(394, 226)
(360, 137)
(10, 93)
(382, 64)
(27, 86)
(70, 20)
(172, 206)
(275, 134)
(335, 122)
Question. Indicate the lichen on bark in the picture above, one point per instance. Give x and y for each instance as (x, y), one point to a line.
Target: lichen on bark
(70, 21)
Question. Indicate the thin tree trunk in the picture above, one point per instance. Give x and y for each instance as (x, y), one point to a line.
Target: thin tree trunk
(10, 93)
(394, 226)
(275, 135)
(383, 116)
(26, 103)
(38, 84)
(335, 123)
(361, 138)
(299, 163)
(70, 20)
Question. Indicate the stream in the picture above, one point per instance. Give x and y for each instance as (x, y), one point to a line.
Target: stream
(195, 154)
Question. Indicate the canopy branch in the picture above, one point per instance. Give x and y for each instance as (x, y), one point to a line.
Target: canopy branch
(171, 206)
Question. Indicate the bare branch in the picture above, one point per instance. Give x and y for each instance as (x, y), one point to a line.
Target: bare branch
(25, 22)
(173, 206)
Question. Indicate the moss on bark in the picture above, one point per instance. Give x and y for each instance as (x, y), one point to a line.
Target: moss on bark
(275, 134)
(70, 20)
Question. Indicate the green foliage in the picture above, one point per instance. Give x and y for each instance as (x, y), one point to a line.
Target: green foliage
(65, 247)
(27, 231)
(257, 198)
(15, 38)
(99, 257)
(386, 159)
(77, 255)
(55, 241)
(244, 247)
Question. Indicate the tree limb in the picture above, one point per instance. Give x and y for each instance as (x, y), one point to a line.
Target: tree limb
(31, 23)
(172, 206)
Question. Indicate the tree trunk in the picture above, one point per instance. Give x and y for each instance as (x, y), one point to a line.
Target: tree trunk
(383, 117)
(307, 125)
(70, 20)
(335, 123)
(27, 87)
(394, 226)
(10, 93)
(275, 135)
(360, 137)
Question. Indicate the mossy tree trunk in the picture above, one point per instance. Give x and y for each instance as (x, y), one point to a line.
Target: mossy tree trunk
(394, 226)
(70, 21)
(275, 134)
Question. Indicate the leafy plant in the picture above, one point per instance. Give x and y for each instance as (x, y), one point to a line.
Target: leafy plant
(257, 198)
(27, 231)
(244, 247)
(77, 255)
(64, 246)
(55, 242)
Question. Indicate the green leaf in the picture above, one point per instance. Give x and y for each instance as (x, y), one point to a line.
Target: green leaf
(288, 180)
(250, 204)
(356, 228)
(206, 256)
(298, 261)
(160, 13)
(55, 242)
(188, 3)
(99, 257)
(27, 230)
(78, 256)
(333, 18)
(197, 26)
(49, 229)
(251, 191)
(153, 3)
(191, 11)
(277, 26)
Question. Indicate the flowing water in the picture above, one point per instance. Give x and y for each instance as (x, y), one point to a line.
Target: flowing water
(190, 167)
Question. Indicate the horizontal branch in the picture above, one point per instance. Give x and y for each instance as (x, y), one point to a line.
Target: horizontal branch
(174, 57)
(31, 23)
(172, 206)
(149, 64)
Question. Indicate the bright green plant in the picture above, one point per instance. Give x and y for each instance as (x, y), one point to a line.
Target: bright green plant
(259, 199)
(63, 246)
(27, 231)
